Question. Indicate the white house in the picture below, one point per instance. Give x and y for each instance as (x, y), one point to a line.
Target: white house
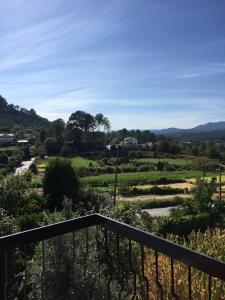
(148, 145)
(6, 137)
(129, 141)
(22, 141)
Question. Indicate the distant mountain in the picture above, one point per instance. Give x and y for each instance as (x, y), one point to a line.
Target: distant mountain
(168, 131)
(12, 116)
(211, 131)
(208, 127)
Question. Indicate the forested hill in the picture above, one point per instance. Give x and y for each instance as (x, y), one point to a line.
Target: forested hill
(214, 131)
(12, 116)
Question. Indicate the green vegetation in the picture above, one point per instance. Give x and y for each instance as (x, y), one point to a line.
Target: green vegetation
(176, 161)
(159, 203)
(140, 178)
(77, 162)
(59, 181)
(12, 116)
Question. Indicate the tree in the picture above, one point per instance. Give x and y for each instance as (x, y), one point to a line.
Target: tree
(174, 148)
(60, 180)
(3, 158)
(58, 127)
(43, 136)
(212, 152)
(52, 146)
(202, 194)
(99, 120)
(81, 120)
(106, 124)
(195, 151)
(164, 146)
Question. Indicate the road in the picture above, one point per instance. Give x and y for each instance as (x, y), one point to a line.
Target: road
(159, 212)
(24, 166)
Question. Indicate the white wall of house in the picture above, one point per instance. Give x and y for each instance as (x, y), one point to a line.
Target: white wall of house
(127, 141)
(6, 138)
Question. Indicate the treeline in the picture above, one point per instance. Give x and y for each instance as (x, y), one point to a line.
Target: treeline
(13, 117)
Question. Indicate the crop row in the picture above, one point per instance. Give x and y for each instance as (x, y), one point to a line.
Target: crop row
(151, 177)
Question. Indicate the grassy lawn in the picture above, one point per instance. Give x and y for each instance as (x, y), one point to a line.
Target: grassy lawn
(179, 161)
(139, 177)
(77, 161)
(11, 148)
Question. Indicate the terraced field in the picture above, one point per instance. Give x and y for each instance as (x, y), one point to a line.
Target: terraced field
(151, 177)
(180, 162)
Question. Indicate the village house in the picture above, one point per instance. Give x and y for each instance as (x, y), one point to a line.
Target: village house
(6, 138)
(129, 141)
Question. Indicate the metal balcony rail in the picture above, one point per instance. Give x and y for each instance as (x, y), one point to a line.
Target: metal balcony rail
(125, 263)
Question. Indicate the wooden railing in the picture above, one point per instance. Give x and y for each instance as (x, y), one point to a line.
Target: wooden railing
(129, 263)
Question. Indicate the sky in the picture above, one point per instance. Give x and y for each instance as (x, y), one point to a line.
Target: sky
(143, 63)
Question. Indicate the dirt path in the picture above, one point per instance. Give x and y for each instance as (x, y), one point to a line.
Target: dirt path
(152, 197)
(184, 185)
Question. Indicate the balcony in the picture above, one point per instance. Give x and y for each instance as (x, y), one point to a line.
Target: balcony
(95, 257)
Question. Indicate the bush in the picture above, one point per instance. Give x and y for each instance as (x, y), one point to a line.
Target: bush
(12, 193)
(90, 200)
(29, 221)
(124, 189)
(160, 203)
(156, 190)
(33, 168)
(60, 179)
(143, 168)
(3, 158)
(184, 225)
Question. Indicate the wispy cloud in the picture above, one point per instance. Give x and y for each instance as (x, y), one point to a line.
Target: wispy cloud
(208, 69)
(62, 33)
(119, 57)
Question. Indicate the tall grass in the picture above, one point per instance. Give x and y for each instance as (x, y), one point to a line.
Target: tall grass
(210, 243)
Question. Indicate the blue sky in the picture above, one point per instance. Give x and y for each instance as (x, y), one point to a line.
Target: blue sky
(143, 63)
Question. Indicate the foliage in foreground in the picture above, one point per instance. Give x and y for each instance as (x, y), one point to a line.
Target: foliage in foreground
(211, 243)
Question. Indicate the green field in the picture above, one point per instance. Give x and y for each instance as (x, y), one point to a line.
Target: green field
(140, 177)
(77, 162)
(9, 148)
(180, 162)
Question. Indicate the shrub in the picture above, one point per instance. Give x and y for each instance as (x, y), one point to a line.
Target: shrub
(3, 158)
(124, 189)
(143, 168)
(12, 193)
(156, 190)
(33, 168)
(184, 225)
(29, 221)
(60, 179)
(202, 194)
(160, 203)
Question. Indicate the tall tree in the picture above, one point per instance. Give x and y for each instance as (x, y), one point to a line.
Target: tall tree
(99, 120)
(81, 120)
(58, 127)
(106, 124)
